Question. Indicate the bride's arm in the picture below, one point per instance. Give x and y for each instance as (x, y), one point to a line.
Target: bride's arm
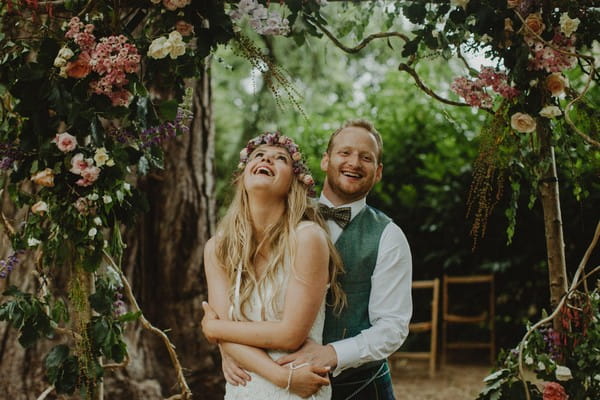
(303, 298)
(249, 358)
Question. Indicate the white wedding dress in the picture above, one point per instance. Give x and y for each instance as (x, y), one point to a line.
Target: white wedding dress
(259, 388)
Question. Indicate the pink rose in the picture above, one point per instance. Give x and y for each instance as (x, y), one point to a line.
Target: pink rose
(554, 391)
(88, 176)
(78, 164)
(44, 178)
(65, 142)
(522, 122)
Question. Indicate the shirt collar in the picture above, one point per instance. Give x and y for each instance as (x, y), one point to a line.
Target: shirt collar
(355, 206)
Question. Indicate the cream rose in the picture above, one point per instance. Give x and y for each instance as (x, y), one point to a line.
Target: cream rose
(522, 122)
(535, 23)
(101, 156)
(550, 112)
(556, 83)
(563, 373)
(65, 142)
(44, 178)
(159, 48)
(40, 207)
(568, 25)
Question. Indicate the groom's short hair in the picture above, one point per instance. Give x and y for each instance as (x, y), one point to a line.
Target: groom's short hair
(366, 125)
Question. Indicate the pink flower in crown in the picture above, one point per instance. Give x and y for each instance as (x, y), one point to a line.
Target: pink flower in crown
(296, 156)
(65, 142)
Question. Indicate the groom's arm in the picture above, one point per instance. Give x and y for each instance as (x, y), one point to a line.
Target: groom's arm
(390, 305)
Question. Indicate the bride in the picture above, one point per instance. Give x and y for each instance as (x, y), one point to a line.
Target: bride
(268, 270)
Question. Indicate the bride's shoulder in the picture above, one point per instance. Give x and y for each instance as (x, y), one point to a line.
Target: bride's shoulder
(309, 229)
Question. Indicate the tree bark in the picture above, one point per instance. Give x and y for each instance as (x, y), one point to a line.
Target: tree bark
(548, 187)
(164, 263)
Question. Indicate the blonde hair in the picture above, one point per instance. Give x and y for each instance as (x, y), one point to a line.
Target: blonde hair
(237, 246)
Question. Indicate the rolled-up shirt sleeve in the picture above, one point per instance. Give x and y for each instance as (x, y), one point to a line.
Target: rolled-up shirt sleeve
(390, 305)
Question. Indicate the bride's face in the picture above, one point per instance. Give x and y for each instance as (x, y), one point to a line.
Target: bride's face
(270, 169)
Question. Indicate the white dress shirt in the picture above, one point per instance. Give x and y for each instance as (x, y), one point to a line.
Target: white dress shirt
(390, 301)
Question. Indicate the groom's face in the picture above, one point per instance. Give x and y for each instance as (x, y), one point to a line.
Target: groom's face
(351, 165)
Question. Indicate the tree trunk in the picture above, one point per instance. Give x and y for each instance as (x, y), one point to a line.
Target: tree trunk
(164, 263)
(548, 187)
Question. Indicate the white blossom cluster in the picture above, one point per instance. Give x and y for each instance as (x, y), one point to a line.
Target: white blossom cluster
(262, 20)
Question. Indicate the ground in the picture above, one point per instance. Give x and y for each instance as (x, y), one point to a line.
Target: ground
(451, 382)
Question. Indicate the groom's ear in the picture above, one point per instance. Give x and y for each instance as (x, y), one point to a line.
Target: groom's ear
(324, 162)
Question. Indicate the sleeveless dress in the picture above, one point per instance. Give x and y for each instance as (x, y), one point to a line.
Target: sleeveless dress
(259, 388)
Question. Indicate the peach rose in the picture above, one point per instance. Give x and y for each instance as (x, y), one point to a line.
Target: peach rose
(522, 122)
(44, 178)
(535, 23)
(556, 83)
(80, 68)
(65, 142)
(39, 208)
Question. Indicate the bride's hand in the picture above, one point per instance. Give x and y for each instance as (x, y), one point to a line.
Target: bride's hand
(308, 380)
(209, 315)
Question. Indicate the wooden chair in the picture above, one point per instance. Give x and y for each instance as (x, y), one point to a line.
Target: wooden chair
(486, 317)
(430, 326)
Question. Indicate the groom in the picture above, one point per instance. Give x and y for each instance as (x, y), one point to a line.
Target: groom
(378, 274)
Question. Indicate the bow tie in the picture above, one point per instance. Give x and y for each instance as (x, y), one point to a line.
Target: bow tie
(340, 216)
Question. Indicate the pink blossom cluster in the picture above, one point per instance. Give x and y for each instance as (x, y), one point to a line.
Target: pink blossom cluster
(84, 39)
(112, 59)
(549, 59)
(261, 20)
(474, 93)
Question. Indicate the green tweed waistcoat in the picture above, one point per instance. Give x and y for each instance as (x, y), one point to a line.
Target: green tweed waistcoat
(358, 245)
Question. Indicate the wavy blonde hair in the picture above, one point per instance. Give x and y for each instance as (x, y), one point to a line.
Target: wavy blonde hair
(238, 247)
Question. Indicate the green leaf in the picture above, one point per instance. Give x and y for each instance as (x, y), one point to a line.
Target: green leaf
(168, 110)
(130, 316)
(56, 356)
(415, 12)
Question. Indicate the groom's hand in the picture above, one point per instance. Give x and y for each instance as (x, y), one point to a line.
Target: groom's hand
(312, 353)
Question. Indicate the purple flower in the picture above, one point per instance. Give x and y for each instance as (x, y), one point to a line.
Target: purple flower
(6, 266)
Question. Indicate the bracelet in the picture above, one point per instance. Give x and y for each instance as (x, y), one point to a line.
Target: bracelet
(292, 368)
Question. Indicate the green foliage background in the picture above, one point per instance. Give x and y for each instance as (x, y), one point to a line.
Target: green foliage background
(429, 149)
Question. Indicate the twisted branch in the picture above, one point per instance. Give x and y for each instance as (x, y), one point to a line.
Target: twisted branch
(361, 45)
(576, 282)
(186, 393)
(46, 392)
(430, 92)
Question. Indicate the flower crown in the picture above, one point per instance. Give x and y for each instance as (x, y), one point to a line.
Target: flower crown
(276, 139)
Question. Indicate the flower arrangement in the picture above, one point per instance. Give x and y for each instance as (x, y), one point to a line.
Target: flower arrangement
(558, 364)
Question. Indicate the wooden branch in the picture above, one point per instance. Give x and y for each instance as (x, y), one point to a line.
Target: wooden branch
(45, 393)
(10, 231)
(186, 393)
(361, 45)
(123, 364)
(428, 91)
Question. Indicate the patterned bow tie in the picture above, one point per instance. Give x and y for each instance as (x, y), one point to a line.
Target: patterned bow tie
(340, 216)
